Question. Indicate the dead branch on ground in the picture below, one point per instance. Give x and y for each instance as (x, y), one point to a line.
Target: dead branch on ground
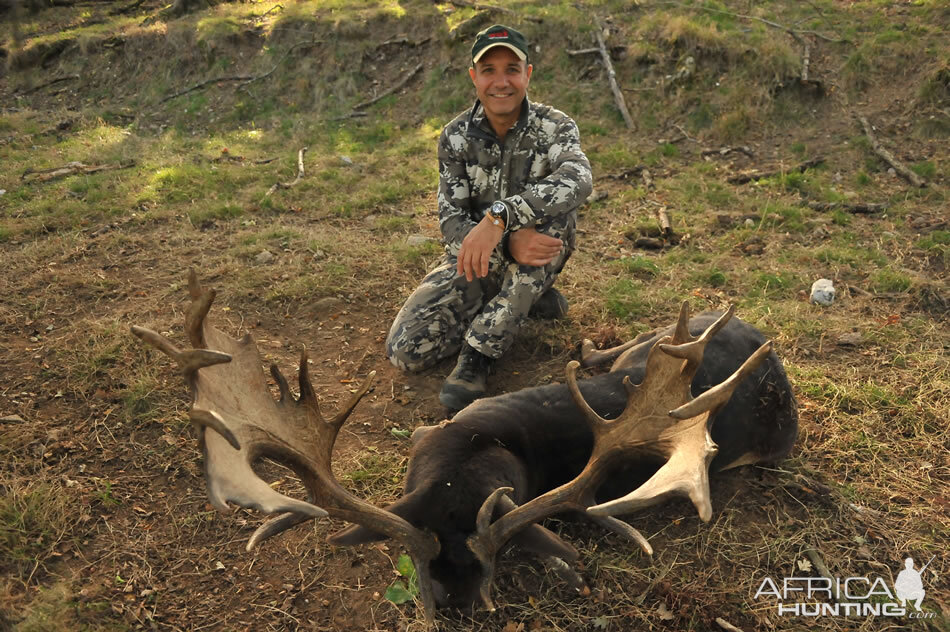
(226, 157)
(725, 625)
(48, 84)
(246, 79)
(71, 168)
(806, 59)
(612, 77)
(888, 157)
(666, 227)
(583, 51)
(128, 8)
(387, 92)
(819, 565)
(287, 185)
(403, 40)
(349, 116)
(860, 208)
(725, 151)
(744, 178)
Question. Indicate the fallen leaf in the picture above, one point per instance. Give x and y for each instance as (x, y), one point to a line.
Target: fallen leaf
(804, 565)
(664, 612)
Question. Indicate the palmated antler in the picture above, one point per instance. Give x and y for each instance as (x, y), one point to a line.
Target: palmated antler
(661, 421)
(231, 397)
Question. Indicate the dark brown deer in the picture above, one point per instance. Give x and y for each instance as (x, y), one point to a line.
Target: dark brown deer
(487, 477)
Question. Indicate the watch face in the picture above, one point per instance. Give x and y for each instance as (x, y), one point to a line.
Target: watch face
(497, 208)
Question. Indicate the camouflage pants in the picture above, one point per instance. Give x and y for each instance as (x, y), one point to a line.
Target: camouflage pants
(447, 310)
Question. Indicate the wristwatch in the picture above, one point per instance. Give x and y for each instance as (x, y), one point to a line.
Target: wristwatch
(498, 214)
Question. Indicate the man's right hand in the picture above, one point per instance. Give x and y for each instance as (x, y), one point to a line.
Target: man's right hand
(477, 248)
(531, 248)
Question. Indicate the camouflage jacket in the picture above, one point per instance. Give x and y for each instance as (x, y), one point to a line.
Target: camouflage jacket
(539, 170)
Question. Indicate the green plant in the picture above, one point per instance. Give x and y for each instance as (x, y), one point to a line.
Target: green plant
(407, 588)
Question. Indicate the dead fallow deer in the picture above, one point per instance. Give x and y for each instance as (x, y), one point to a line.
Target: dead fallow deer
(485, 479)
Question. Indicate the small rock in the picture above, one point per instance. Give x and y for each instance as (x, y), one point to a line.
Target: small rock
(850, 339)
(264, 257)
(11, 419)
(597, 196)
(822, 292)
(749, 222)
(418, 240)
(2, 191)
(346, 160)
(892, 172)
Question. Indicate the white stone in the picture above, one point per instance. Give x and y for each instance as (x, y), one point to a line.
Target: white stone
(823, 292)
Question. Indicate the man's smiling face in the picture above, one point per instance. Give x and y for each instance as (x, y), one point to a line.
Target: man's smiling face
(501, 82)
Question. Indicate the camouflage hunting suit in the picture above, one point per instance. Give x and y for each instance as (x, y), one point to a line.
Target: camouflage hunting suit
(542, 173)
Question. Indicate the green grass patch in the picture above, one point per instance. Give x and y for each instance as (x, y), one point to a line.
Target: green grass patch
(639, 267)
(625, 299)
(888, 280)
(203, 216)
(416, 256)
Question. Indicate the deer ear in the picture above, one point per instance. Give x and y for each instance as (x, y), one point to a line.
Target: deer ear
(542, 541)
(406, 508)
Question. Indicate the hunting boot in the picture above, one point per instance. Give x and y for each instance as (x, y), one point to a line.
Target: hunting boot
(550, 306)
(468, 381)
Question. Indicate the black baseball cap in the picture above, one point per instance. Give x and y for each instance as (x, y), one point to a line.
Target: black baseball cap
(499, 35)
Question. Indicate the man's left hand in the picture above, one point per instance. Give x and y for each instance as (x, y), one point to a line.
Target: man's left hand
(477, 248)
(531, 248)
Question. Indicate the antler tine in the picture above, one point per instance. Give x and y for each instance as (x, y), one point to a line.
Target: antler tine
(273, 526)
(209, 419)
(718, 395)
(485, 512)
(713, 329)
(201, 300)
(354, 399)
(188, 361)
(692, 349)
(281, 383)
(682, 334)
(593, 419)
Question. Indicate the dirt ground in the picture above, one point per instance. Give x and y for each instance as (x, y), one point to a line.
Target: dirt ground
(98, 453)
